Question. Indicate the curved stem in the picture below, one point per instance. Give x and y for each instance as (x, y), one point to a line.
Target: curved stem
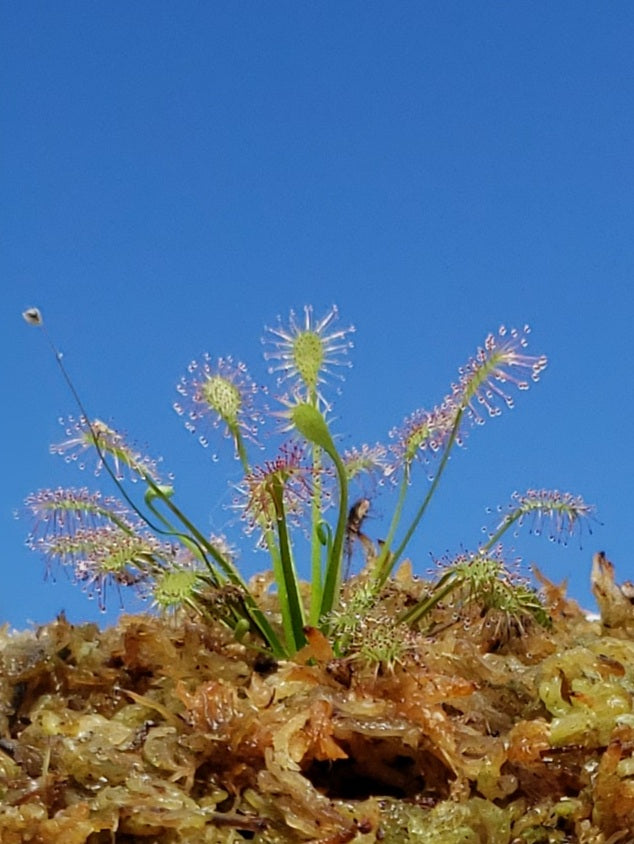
(444, 586)
(316, 585)
(189, 543)
(120, 523)
(503, 528)
(396, 517)
(383, 575)
(259, 619)
(229, 569)
(95, 434)
(316, 545)
(332, 580)
(288, 586)
(255, 613)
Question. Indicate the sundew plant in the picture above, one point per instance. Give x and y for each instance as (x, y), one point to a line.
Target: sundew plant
(296, 504)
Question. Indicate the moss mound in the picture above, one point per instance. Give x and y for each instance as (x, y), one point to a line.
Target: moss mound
(481, 729)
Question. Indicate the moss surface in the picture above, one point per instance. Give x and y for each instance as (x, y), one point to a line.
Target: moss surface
(478, 728)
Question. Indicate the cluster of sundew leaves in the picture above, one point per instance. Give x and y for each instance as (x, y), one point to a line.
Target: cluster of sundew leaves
(153, 546)
(484, 580)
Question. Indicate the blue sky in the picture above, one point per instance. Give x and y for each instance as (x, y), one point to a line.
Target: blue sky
(176, 175)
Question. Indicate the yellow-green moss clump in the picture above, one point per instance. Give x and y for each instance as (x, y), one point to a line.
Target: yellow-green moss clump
(477, 728)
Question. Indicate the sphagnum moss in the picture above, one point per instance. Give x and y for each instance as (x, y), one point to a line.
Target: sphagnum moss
(166, 729)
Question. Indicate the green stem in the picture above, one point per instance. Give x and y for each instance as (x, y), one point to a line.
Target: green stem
(257, 616)
(241, 450)
(332, 580)
(316, 544)
(255, 613)
(503, 528)
(288, 586)
(380, 563)
(264, 627)
(193, 546)
(316, 584)
(391, 561)
(108, 514)
(229, 569)
(278, 578)
(311, 424)
(139, 469)
(450, 581)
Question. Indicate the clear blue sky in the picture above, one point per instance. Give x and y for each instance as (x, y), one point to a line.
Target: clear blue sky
(176, 175)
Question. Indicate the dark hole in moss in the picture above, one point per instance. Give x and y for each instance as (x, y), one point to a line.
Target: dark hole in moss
(380, 768)
(264, 664)
(343, 780)
(354, 779)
